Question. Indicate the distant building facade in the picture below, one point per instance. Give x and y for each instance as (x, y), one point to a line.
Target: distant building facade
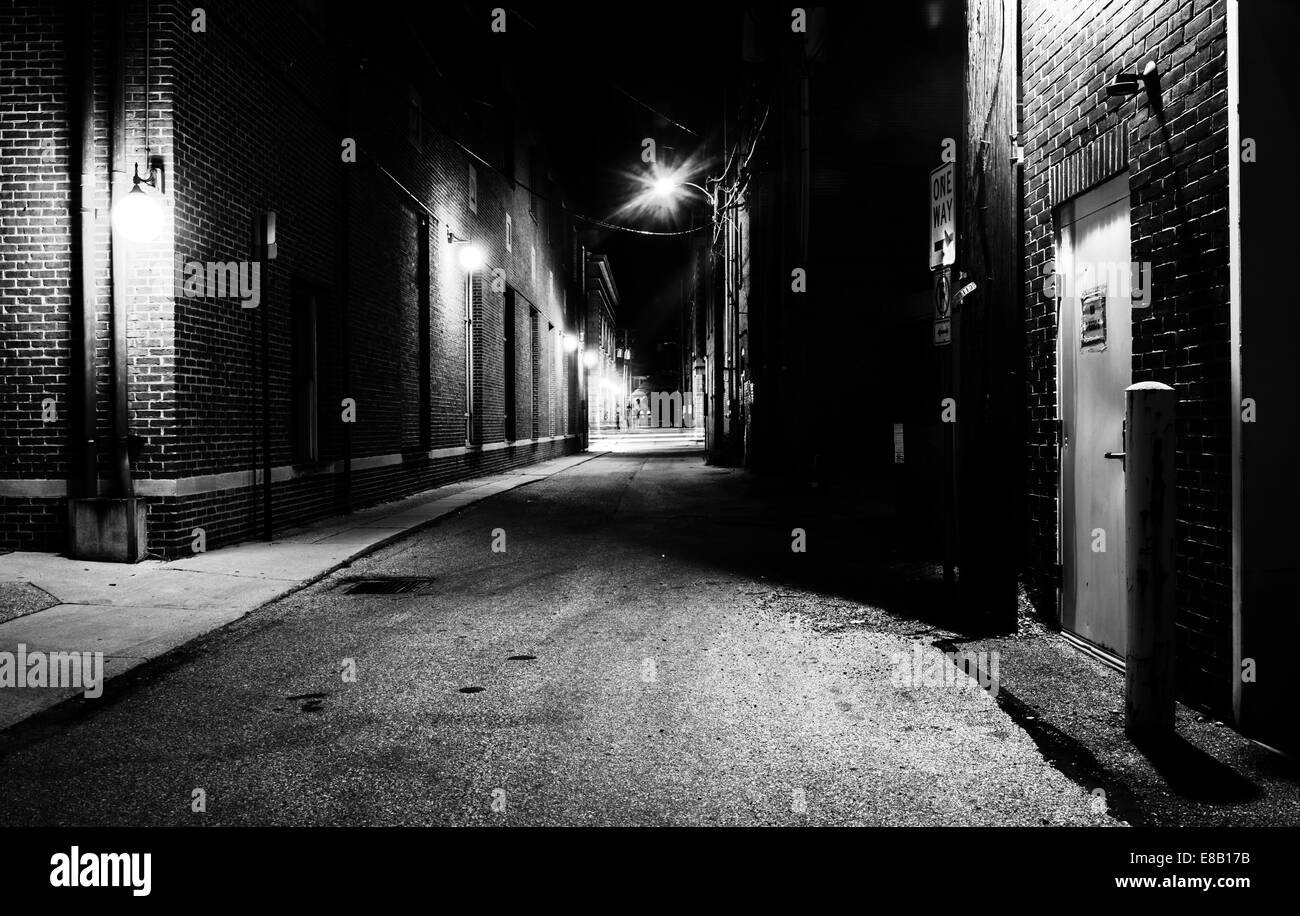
(607, 387)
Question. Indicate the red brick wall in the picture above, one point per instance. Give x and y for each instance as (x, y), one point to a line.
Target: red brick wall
(1179, 224)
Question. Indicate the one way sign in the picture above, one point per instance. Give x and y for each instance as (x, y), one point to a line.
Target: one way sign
(943, 218)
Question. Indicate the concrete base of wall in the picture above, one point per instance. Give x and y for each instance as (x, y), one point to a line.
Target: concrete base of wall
(110, 530)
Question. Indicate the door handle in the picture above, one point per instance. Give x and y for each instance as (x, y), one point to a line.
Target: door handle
(1123, 438)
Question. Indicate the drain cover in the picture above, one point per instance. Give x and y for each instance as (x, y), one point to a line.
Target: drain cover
(471, 689)
(521, 658)
(387, 585)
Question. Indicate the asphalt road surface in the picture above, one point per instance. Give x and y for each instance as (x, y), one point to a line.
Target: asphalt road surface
(647, 649)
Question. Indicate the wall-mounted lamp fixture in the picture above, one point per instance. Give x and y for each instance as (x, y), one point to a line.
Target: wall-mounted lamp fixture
(1123, 85)
(1126, 84)
(570, 343)
(471, 257)
(138, 215)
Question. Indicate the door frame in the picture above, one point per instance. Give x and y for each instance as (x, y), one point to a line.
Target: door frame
(1065, 541)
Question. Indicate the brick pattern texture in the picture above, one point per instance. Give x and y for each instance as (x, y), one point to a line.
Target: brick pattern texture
(252, 114)
(1177, 160)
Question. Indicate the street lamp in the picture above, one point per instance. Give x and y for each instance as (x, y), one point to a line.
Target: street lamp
(666, 188)
(570, 343)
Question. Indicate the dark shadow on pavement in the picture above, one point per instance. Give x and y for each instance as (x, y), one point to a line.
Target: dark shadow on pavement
(1194, 774)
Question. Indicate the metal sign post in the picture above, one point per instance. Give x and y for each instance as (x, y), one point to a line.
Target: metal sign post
(942, 255)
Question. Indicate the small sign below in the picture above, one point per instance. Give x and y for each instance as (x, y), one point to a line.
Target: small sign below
(942, 309)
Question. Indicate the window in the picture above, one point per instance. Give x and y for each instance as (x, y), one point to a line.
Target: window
(535, 363)
(532, 254)
(510, 232)
(511, 382)
(423, 324)
(473, 189)
(304, 432)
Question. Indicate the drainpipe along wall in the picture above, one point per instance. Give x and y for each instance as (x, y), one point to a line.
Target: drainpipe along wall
(82, 61)
(121, 185)
(111, 528)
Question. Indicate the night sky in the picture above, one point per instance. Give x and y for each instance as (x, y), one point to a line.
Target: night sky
(673, 59)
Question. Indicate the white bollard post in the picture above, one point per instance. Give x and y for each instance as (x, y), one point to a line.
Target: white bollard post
(1149, 480)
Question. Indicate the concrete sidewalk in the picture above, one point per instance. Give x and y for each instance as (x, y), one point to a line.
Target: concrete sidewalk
(134, 613)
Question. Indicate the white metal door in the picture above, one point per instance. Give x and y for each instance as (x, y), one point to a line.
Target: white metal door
(1095, 363)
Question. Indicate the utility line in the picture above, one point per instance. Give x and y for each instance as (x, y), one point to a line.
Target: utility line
(327, 118)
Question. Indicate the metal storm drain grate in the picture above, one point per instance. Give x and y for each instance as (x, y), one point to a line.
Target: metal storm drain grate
(388, 585)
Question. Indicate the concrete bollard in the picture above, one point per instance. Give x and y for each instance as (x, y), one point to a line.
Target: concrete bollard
(1149, 504)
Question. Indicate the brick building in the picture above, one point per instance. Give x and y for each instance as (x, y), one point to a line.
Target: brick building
(1134, 272)
(1094, 248)
(374, 364)
(607, 394)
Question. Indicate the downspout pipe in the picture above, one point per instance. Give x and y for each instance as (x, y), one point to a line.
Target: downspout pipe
(82, 60)
(123, 486)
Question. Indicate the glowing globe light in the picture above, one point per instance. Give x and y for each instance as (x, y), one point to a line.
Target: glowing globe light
(471, 257)
(138, 216)
(664, 187)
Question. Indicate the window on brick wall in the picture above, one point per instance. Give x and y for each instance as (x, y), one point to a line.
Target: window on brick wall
(473, 358)
(535, 364)
(510, 363)
(510, 233)
(473, 189)
(306, 306)
(552, 340)
(425, 347)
